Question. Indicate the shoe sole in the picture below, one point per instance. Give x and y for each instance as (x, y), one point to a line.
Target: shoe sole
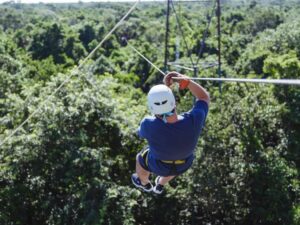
(157, 192)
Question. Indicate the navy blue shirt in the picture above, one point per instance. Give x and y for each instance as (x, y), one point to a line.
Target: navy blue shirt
(173, 141)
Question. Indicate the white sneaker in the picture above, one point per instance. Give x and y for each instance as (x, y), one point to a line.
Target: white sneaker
(137, 182)
(158, 189)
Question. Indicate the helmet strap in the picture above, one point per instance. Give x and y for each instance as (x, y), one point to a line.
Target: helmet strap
(165, 115)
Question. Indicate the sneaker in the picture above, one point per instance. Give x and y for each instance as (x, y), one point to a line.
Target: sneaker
(158, 189)
(138, 183)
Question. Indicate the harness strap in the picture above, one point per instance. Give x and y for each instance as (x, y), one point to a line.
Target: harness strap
(176, 162)
(145, 156)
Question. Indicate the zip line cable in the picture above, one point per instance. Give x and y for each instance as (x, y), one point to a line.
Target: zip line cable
(204, 65)
(203, 38)
(238, 80)
(249, 80)
(140, 54)
(209, 65)
(179, 66)
(182, 34)
(205, 33)
(73, 72)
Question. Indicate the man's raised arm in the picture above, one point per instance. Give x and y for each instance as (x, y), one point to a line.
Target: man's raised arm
(184, 82)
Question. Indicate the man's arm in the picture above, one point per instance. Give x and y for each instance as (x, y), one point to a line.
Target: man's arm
(197, 90)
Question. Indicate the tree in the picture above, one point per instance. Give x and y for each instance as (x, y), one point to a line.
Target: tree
(86, 35)
(64, 172)
(288, 66)
(48, 42)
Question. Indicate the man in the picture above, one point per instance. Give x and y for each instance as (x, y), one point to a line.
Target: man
(172, 138)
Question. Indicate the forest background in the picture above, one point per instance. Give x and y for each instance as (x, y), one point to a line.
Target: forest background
(71, 163)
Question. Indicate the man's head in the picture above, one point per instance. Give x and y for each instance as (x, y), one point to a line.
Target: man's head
(161, 100)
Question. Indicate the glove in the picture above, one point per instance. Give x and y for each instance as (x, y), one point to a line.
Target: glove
(183, 82)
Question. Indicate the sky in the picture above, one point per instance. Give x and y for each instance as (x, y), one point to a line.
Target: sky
(63, 1)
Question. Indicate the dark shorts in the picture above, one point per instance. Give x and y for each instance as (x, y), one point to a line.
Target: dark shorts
(158, 167)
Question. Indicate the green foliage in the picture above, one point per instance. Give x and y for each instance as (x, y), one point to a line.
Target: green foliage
(288, 66)
(240, 159)
(74, 49)
(86, 35)
(48, 42)
(63, 158)
(296, 215)
(71, 163)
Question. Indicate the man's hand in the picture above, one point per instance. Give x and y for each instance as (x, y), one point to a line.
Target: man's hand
(168, 79)
(184, 82)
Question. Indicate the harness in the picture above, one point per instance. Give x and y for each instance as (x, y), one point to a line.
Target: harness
(176, 162)
(144, 155)
(172, 163)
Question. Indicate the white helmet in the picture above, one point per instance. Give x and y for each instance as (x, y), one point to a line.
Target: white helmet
(161, 99)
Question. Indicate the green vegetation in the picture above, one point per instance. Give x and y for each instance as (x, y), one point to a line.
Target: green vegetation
(71, 164)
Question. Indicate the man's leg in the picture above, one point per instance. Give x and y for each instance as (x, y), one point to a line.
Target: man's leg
(164, 180)
(160, 182)
(141, 172)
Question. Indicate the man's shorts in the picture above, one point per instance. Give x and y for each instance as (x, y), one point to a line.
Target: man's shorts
(158, 167)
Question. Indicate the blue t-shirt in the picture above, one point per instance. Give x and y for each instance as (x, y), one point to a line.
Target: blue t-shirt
(173, 141)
